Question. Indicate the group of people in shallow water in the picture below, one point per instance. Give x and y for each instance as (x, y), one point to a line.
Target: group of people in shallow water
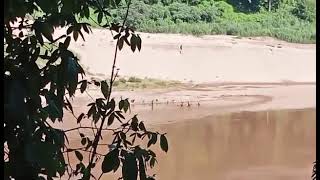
(156, 101)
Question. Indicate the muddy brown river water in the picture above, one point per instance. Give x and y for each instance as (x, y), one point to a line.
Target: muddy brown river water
(266, 145)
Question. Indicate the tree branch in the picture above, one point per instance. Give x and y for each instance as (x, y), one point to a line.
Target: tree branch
(97, 137)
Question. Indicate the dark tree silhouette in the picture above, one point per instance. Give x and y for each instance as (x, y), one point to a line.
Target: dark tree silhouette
(33, 148)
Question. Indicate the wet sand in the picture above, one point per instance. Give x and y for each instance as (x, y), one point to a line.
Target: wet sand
(212, 99)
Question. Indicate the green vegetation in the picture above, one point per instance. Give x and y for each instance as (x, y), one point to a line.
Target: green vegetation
(145, 83)
(292, 21)
(135, 83)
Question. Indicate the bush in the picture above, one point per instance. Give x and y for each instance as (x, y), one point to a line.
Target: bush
(159, 12)
(219, 17)
(122, 80)
(305, 10)
(134, 79)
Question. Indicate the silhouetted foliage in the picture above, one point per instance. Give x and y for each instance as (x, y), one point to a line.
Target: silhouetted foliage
(36, 96)
(314, 171)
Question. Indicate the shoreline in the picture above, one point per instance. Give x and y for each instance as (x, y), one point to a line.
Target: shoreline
(213, 100)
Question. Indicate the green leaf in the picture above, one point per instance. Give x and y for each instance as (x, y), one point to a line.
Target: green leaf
(133, 42)
(153, 139)
(126, 105)
(69, 30)
(117, 36)
(126, 40)
(152, 162)
(53, 110)
(163, 143)
(67, 42)
(91, 111)
(120, 43)
(129, 168)
(117, 117)
(96, 116)
(83, 141)
(110, 119)
(120, 115)
(105, 89)
(123, 136)
(100, 15)
(118, 2)
(97, 83)
(134, 137)
(72, 72)
(79, 155)
(139, 42)
(81, 35)
(152, 153)
(75, 35)
(134, 123)
(111, 161)
(86, 11)
(106, 25)
(80, 118)
(142, 127)
(85, 28)
(115, 27)
(96, 11)
(47, 30)
(112, 104)
(121, 104)
(83, 86)
(59, 137)
(79, 166)
(89, 144)
(69, 105)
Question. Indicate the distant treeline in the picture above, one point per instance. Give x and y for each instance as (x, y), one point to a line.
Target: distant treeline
(290, 20)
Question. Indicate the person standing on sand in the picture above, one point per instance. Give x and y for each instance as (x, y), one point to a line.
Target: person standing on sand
(180, 49)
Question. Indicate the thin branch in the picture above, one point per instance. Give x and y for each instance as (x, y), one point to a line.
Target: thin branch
(89, 95)
(88, 127)
(80, 149)
(69, 164)
(96, 140)
(100, 176)
(101, 9)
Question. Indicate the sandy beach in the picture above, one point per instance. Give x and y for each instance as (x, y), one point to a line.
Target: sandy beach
(203, 59)
(224, 73)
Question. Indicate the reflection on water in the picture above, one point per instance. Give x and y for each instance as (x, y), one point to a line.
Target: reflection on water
(241, 146)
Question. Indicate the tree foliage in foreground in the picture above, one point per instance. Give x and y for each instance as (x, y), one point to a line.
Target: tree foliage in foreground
(33, 148)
